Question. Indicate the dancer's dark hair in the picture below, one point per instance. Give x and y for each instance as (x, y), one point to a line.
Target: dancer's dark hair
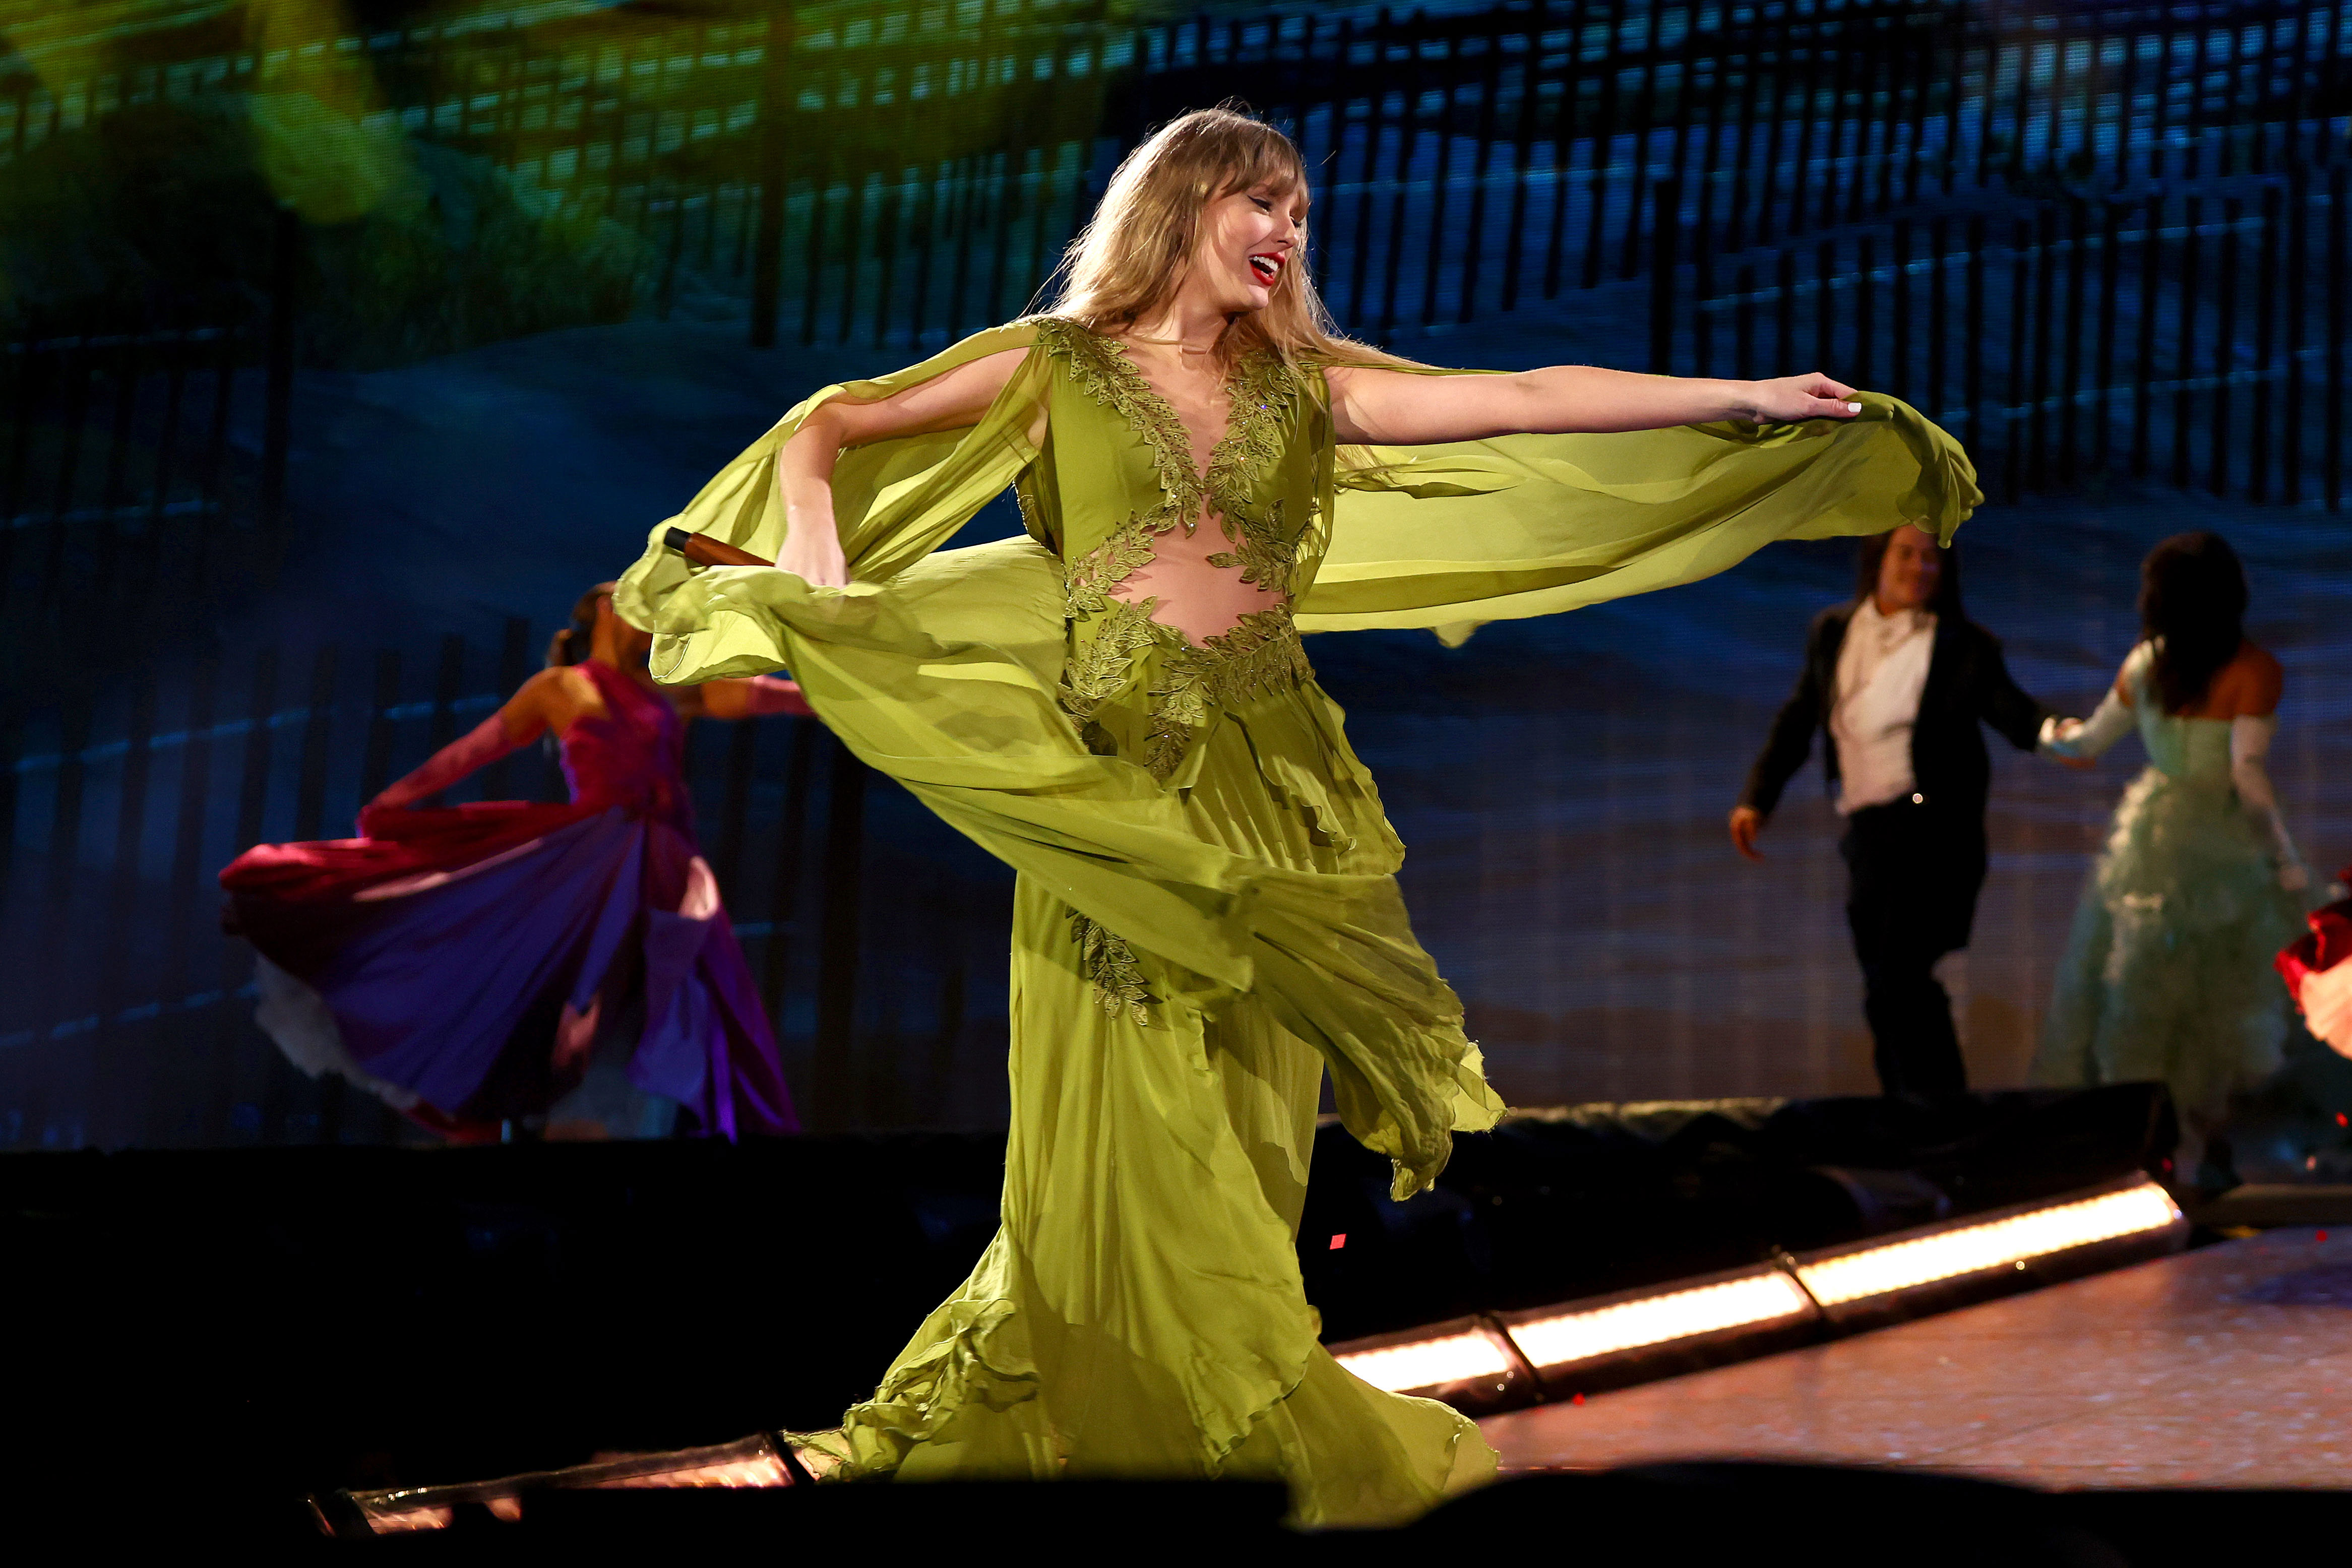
(1945, 601)
(2192, 605)
(572, 643)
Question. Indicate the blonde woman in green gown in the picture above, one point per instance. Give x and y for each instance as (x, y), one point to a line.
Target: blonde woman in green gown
(1119, 705)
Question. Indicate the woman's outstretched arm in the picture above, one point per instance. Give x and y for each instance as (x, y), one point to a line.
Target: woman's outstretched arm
(2080, 742)
(524, 716)
(749, 696)
(1397, 408)
(811, 550)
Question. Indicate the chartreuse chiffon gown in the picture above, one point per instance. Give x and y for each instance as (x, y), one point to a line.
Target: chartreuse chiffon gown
(1207, 919)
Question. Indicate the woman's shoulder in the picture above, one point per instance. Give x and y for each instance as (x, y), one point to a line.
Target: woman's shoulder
(2249, 685)
(547, 685)
(557, 696)
(1061, 335)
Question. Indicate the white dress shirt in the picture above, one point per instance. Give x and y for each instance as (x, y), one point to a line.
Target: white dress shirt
(1881, 669)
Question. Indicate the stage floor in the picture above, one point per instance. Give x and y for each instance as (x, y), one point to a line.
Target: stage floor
(2229, 1367)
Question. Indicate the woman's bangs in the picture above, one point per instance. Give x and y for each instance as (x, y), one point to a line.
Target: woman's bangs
(1268, 158)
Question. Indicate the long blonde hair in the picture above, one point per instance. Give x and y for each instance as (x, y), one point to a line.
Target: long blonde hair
(1132, 254)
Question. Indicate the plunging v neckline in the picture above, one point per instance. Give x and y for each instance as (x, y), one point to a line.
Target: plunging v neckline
(1200, 475)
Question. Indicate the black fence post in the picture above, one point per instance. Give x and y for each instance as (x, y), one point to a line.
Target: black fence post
(1865, 307)
(2184, 360)
(1667, 220)
(375, 764)
(449, 686)
(2298, 279)
(2103, 368)
(514, 667)
(317, 726)
(188, 889)
(1367, 169)
(1522, 151)
(1825, 305)
(1744, 344)
(2014, 400)
(734, 816)
(1972, 344)
(1433, 255)
(2044, 250)
(2070, 376)
(835, 1071)
(1939, 291)
(1705, 308)
(1899, 342)
(118, 1095)
(2264, 402)
(2225, 344)
(2151, 272)
(2339, 277)
(1784, 313)
(784, 889)
(278, 416)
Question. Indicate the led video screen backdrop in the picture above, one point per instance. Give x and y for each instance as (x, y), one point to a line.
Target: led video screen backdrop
(342, 345)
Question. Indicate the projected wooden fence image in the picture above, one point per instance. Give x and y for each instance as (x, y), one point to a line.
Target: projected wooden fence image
(2106, 245)
(2191, 335)
(902, 173)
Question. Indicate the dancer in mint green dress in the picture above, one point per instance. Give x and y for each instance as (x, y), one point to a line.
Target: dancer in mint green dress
(2167, 972)
(1119, 706)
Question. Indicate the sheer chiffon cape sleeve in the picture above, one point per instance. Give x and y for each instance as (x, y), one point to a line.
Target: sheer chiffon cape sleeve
(895, 501)
(1449, 537)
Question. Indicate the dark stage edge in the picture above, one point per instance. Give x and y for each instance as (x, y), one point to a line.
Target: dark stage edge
(303, 1319)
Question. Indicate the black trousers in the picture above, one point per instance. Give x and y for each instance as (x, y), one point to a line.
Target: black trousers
(1913, 871)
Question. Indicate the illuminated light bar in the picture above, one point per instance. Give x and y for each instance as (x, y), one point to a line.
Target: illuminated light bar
(757, 1462)
(1562, 1338)
(2139, 1210)
(1468, 1363)
(1429, 1362)
(1609, 1342)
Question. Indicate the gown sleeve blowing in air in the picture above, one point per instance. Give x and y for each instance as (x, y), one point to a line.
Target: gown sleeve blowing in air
(1447, 538)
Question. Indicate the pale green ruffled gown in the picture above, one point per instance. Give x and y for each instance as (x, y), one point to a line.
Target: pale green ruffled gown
(1206, 918)
(2168, 970)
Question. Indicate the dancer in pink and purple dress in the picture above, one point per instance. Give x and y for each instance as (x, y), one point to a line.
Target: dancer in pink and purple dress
(559, 967)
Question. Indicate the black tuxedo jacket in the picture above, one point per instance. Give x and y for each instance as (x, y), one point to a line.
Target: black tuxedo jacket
(1966, 684)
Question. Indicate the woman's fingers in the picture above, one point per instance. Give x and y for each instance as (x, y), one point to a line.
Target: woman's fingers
(1793, 398)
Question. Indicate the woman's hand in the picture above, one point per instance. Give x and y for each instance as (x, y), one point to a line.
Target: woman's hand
(2063, 732)
(811, 550)
(1747, 822)
(1787, 399)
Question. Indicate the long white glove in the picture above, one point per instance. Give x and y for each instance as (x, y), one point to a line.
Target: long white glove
(2087, 737)
(2250, 746)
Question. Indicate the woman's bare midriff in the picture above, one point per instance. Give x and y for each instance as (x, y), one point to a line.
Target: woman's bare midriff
(1197, 598)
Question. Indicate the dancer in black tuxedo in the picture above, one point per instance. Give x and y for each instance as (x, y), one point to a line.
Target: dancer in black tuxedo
(1900, 679)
